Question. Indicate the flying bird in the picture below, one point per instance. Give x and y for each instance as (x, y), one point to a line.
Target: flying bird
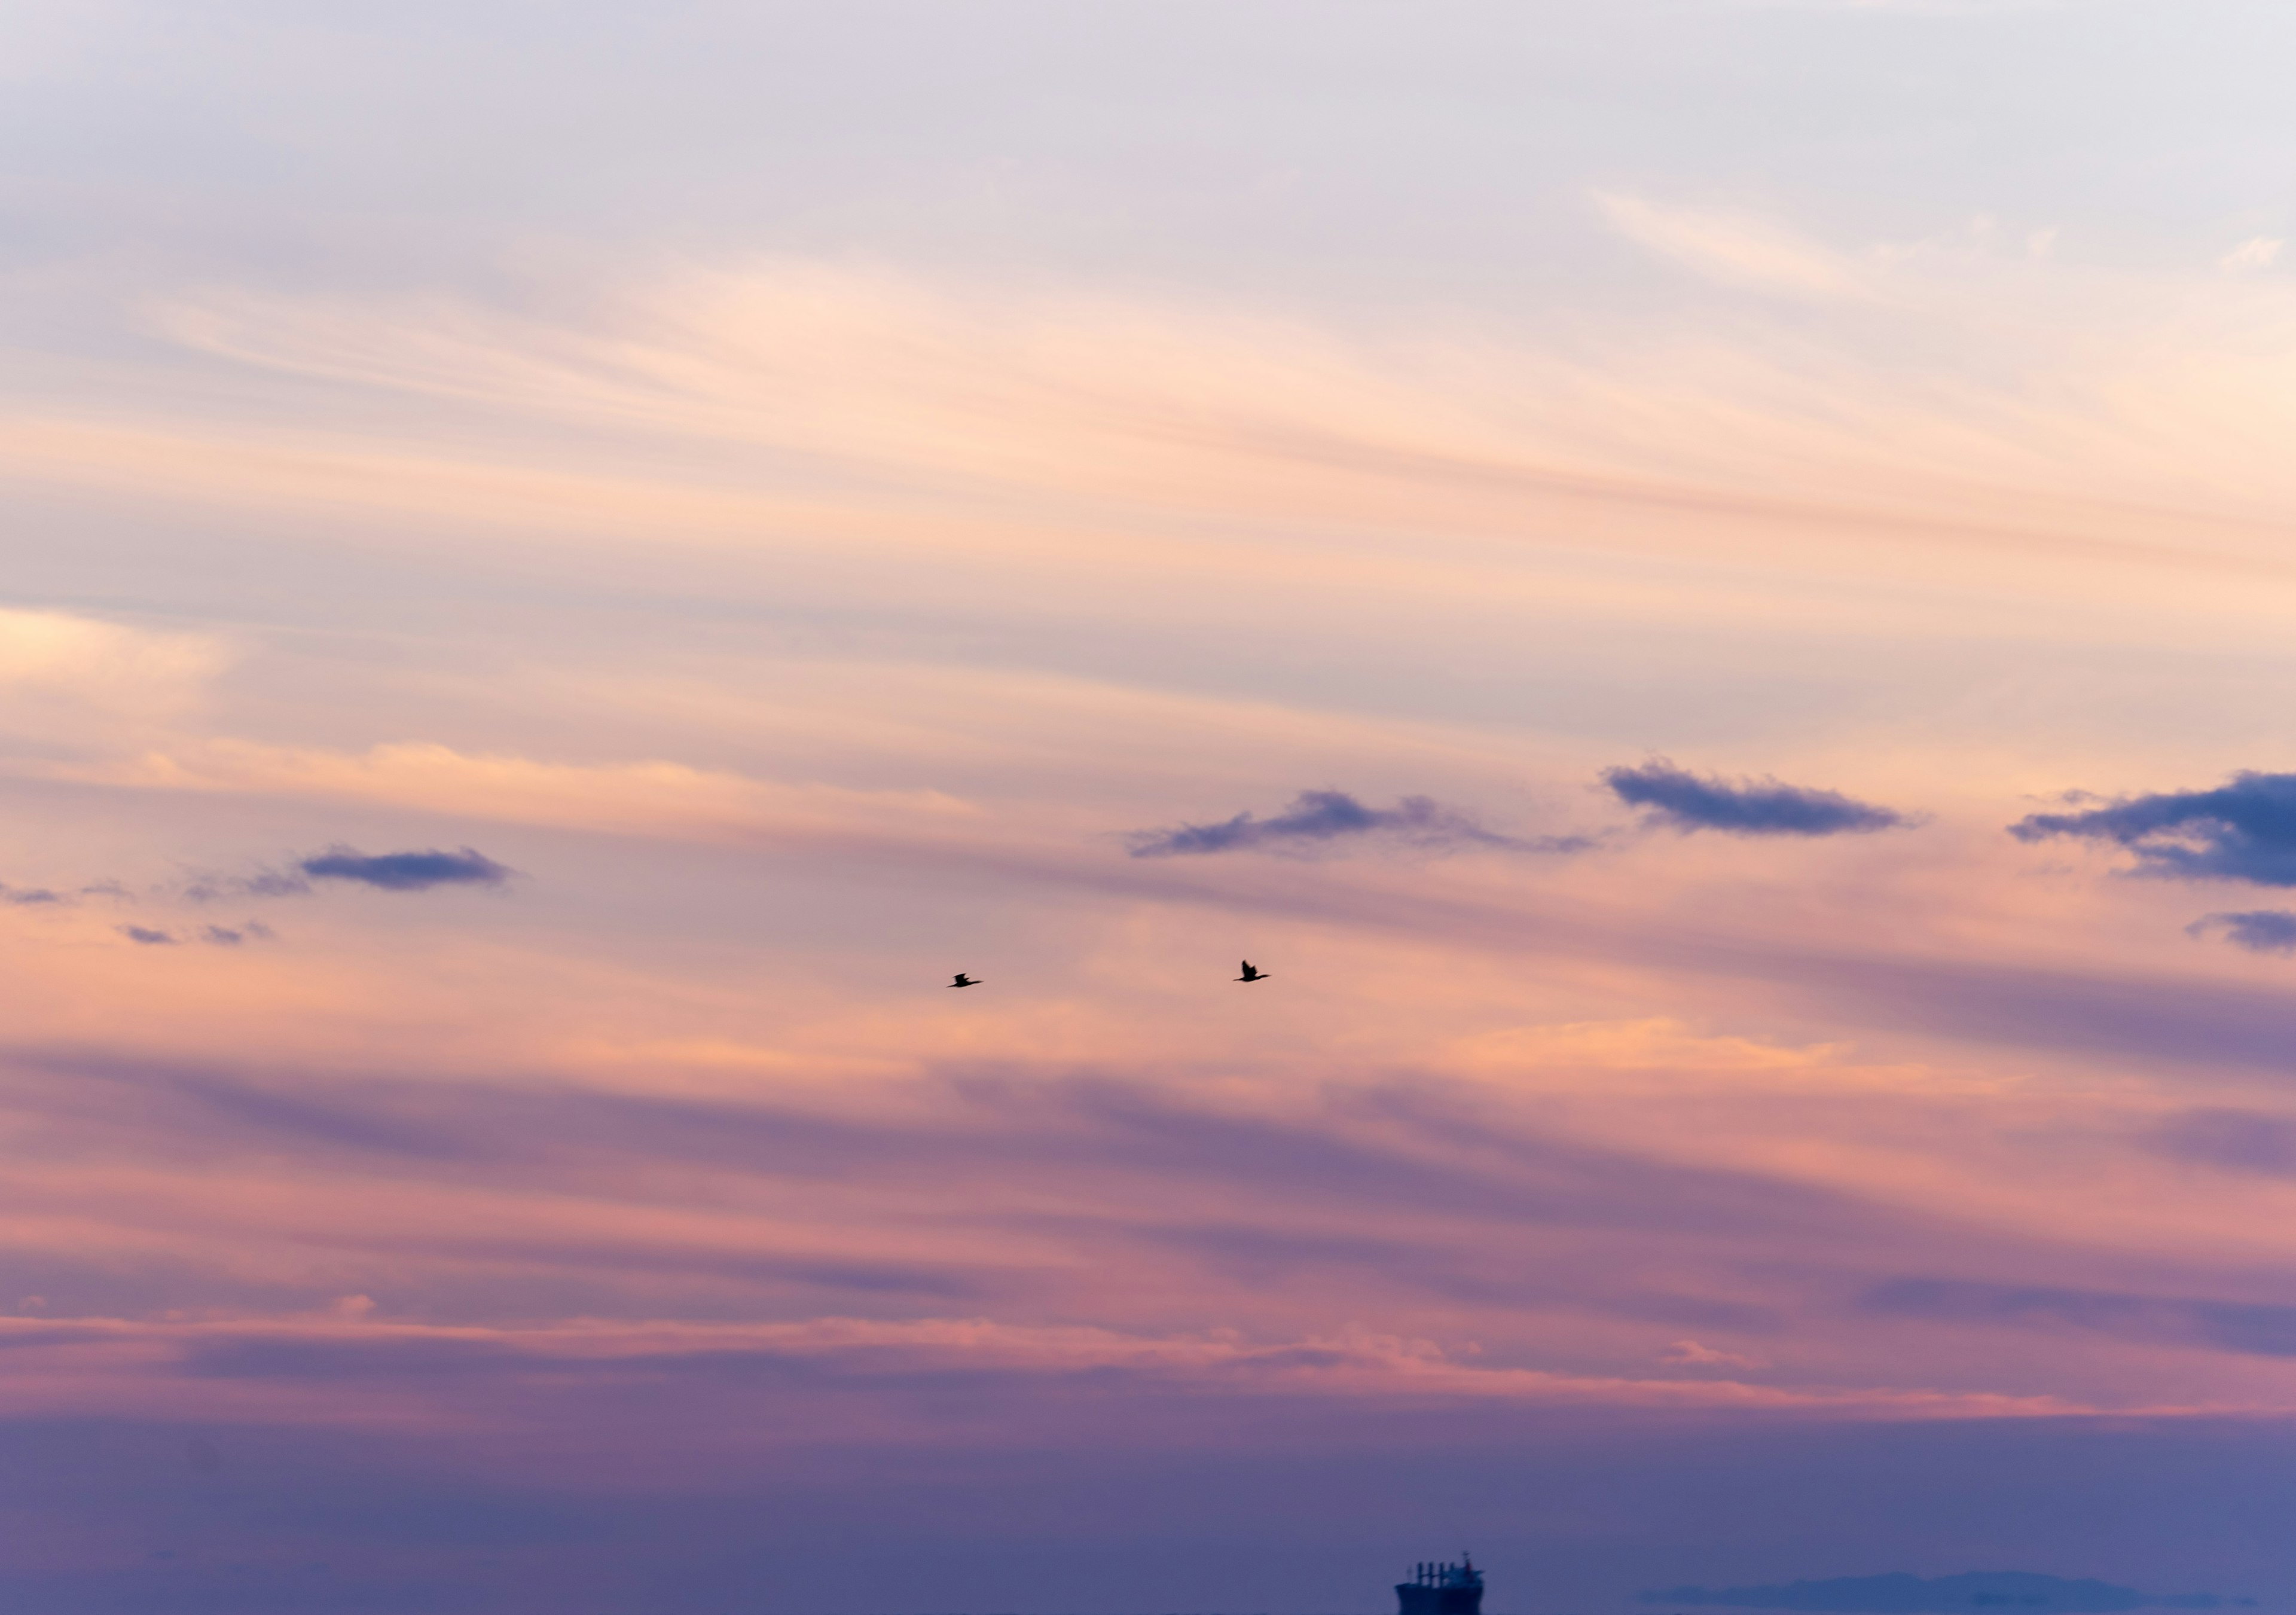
(964, 980)
(1250, 974)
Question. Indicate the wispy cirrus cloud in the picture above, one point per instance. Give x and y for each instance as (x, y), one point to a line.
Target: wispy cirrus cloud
(2244, 830)
(2257, 252)
(101, 672)
(2239, 1141)
(1322, 818)
(1697, 1354)
(1686, 802)
(2256, 1328)
(1735, 247)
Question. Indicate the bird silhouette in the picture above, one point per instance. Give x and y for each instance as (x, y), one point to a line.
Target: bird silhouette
(1250, 975)
(964, 980)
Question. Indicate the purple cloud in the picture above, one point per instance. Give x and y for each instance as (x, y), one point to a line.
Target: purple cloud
(2244, 830)
(1687, 801)
(1320, 817)
(405, 871)
(2260, 931)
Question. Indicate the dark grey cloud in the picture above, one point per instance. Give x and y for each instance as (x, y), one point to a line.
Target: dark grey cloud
(148, 937)
(22, 896)
(2250, 1328)
(1904, 1594)
(2241, 1141)
(1318, 818)
(1688, 801)
(405, 871)
(2260, 931)
(2244, 830)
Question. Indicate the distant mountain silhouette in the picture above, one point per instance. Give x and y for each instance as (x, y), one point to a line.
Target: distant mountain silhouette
(2007, 1592)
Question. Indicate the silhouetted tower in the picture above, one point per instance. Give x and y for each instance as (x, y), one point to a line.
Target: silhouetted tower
(1442, 1589)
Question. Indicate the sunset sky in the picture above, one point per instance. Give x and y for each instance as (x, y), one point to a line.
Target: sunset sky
(1707, 584)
